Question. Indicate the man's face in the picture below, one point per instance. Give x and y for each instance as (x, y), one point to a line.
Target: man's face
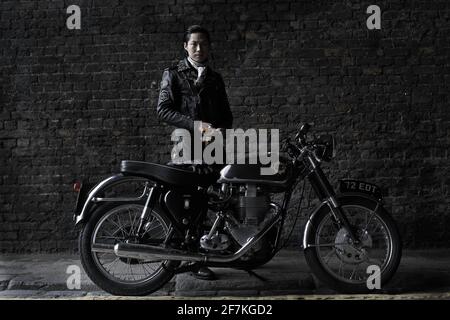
(197, 47)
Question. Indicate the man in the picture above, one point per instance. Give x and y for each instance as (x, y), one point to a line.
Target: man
(192, 91)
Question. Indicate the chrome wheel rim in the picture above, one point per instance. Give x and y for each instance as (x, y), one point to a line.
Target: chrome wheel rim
(344, 260)
(119, 225)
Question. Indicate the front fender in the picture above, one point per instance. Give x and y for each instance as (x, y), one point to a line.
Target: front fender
(308, 226)
(98, 189)
(324, 206)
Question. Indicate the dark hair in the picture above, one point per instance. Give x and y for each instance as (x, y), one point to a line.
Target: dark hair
(196, 29)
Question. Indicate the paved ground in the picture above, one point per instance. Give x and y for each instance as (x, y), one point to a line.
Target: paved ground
(421, 275)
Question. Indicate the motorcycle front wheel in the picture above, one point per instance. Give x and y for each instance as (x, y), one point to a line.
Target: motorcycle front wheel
(114, 223)
(348, 268)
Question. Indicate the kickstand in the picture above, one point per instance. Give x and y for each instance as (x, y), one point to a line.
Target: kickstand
(252, 273)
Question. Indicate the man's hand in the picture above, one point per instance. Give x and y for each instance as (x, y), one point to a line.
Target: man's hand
(208, 132)
(204, 126)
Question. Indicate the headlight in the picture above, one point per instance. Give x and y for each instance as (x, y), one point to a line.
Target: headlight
(325, 149)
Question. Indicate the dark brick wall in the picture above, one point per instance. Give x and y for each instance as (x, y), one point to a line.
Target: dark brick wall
(76, 102)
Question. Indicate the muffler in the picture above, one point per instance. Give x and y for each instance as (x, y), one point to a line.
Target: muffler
(146, 252)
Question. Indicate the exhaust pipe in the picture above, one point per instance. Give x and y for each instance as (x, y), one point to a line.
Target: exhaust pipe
(146, 252)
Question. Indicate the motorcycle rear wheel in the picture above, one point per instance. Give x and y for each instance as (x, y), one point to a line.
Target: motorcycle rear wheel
(348, 268)
(110, 224)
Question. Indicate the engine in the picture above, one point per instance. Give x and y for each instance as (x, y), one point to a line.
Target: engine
(251, 205)
(247, 209)
(250, 208)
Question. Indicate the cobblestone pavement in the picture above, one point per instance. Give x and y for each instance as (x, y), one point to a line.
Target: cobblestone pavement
(421, 275)
(100, 295)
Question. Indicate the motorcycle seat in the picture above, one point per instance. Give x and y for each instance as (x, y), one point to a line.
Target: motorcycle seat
(174, 175)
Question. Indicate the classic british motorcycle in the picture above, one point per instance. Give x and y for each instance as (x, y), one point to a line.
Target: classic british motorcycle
(133, 245)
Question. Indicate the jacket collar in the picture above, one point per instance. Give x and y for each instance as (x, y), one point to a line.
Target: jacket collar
(184, 65)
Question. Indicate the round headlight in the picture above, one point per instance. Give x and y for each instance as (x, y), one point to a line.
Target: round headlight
(325, 149)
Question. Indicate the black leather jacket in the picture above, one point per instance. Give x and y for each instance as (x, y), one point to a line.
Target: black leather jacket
(181, 102)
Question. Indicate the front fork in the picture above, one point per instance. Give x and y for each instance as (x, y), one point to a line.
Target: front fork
(325, 192)
(341, 219)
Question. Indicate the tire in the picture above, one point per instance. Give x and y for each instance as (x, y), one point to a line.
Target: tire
(345, 254)
(99, 275)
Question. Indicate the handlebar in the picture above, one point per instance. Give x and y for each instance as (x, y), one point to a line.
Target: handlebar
(294, 148)
(302, 132)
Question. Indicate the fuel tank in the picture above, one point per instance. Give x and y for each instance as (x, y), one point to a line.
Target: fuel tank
(251, 174)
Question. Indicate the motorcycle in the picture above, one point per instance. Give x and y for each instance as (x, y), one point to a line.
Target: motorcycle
(133, 245)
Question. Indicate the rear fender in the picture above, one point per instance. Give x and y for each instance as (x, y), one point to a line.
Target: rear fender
(92, 199)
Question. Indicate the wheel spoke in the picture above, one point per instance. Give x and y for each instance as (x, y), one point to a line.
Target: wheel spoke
(110, 237)
(329, 245)
(341, 260)
(131, 220)
(133, 225)
(341, 263)
(150, 229)
(353, 272)
(329, 255)
(119, 227)
(114, 227)
(145, 268)
(158, 234)
(131, 271)
(376, 262)
(109, 233)
(371, 216)
(120, 223)
(114, 263)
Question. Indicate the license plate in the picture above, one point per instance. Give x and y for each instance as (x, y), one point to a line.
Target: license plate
(360, 186)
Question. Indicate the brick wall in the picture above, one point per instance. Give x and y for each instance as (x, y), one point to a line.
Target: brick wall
(76, 102)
